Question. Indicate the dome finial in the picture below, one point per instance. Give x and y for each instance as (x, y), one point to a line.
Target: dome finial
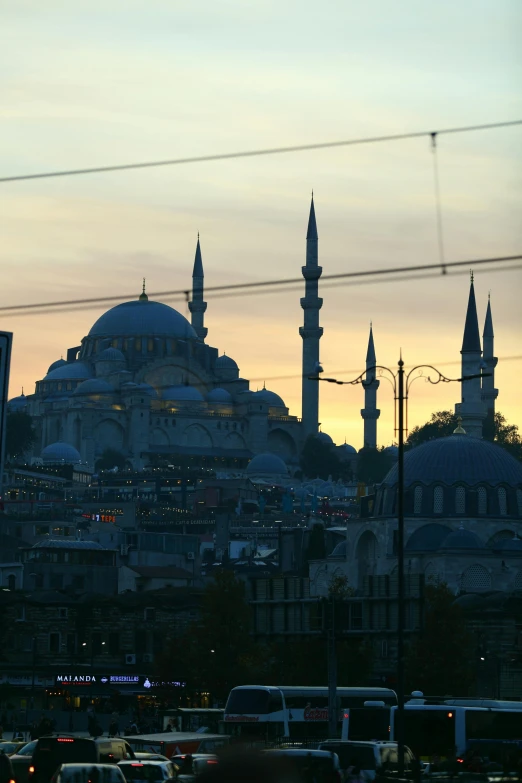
(459, 429)
(143, 296)
(471, 276)
(23, 391)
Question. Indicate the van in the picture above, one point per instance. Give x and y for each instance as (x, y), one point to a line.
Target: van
(50, 752)
(369, 759)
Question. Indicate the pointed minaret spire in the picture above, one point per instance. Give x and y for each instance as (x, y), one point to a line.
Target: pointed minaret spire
(471, 407)
(198, 306)
(143, 296)
(370, 413)
(489, 393)
(311, 332)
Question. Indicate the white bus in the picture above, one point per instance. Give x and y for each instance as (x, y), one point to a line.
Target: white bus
(445, 729)
(268, 713)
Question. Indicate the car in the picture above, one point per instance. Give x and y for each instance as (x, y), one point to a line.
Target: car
(322, 766)
(22, 760)
(53, 751)
(11, 746)
(88, 773)
(141, 754)
(369, 758)
(147, 771)
(190, 766)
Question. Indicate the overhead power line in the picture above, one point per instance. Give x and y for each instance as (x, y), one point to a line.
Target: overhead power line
(260, 285)
(257, 153)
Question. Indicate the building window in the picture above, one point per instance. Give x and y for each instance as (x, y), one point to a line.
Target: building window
(438, 500)
(63, 613)
(482, 500)
(384, 649)
(356, 617)
(71, 643)
(417, 500)
(476, 579)
(150, 345)
(137, 344)
(54, 642)
(460, 500)
(502, 501)
(150, 614)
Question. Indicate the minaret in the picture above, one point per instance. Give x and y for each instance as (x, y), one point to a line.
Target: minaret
(370, 412)
(489, 393)
(197, 306)
(471, 408)
(311, 332)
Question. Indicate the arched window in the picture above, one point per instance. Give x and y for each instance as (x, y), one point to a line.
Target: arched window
(438, 500)
(417, 500)
(518, 581)
(476, 579)
(482, 498)
(137, 344)
(460, 500)
(502, 501)
(150, 344)
(519, 502)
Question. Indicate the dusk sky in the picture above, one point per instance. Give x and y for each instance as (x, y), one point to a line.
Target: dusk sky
(89, 83)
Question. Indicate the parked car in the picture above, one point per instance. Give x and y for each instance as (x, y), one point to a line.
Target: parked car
(53, 751)
(321, 766)
(11, 746)
(190, 765)
(368, 758)
(22, 760)
(147, 771)
(88, 773)
(139, 754)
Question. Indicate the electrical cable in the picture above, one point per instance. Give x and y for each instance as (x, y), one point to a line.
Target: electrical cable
(255, 153)
(438, 205)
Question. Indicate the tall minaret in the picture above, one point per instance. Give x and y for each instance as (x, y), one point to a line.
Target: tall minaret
(370, 412)
(489, 393)
(197, 306)
(471, 408)
(311, 332)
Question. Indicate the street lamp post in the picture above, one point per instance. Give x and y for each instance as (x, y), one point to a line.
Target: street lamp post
(401, 383)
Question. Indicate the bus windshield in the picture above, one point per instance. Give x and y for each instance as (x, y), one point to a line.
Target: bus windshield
(430, 733)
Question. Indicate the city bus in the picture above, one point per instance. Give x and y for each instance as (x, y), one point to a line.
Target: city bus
(270, 713)
(447, 728)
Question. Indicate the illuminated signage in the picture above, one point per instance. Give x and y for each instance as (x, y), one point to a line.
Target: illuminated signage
(114, 680)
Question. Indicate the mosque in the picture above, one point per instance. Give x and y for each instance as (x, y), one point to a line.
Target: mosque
(146, 383)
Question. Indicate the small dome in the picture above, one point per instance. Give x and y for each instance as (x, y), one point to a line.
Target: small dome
(271, 398)
(508, 545)
(339, 550)
(93, 386)
(110, 355)
(145, 388)
(427, 538)
(182, 394)
(224, 362)
(458, 458)
(56, 364)
(324, 438)
(62, 453)
(17, 404)
(392, 450)
(267, 463)
(462, 539)
(219, 395)
(69, 371)
(348, 449)
(142, 317)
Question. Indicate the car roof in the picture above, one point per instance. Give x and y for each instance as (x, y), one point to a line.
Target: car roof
(300, 752)
(87, 764)
(142, 762)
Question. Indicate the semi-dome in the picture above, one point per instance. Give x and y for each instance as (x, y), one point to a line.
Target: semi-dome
(224, 362)
(325, 438)
(462, 539)
(219, 395)
(69, 371)
(271, 398)
(182, 394)
(339, 550)
(267, 463)
(145, 388)
(62, 453)
(348, 449)
(508, 545)
(93, 386)
(110, 355)
(427, 538)
(142, 317)
(458, 459)
(56, 364)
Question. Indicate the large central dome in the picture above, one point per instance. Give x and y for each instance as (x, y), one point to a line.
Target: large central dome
(142, 317)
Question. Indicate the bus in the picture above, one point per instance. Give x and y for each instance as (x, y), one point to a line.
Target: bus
(268, 713)
(193, 719)
(447, 728)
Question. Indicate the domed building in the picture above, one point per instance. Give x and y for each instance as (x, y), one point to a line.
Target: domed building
(145, 382)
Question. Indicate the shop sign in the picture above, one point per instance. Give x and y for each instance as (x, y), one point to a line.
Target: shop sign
(26, 680)
(111, 680)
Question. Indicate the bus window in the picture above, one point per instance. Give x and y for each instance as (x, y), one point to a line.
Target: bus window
(429, 732)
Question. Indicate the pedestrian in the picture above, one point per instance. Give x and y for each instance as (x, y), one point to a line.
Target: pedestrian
(6, 768)
(134, 728)
(168, 727)
(113, 729)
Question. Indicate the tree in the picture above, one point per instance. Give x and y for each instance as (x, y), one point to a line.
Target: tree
(111, 458)
(440, 659)
(373, 465)
(319, 459)
(20, 434)
(443, 423)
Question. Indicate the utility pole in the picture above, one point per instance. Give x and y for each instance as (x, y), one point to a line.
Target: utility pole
(332, 669)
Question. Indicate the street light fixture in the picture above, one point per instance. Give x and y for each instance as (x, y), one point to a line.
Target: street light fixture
(401, 383)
